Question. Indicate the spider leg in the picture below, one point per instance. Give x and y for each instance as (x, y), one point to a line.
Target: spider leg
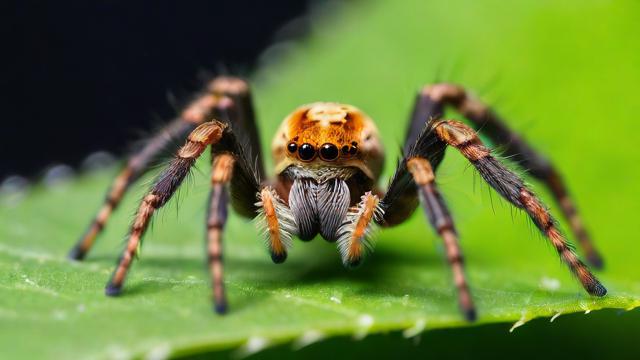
(433, 99)
(164, 187)
(243, 115)
(354, 235)
(137, 165)
(414, 183)
(236, 110)
(217, 211)
(438, 214)
(277, 221)
(514, 190)
(196, 112)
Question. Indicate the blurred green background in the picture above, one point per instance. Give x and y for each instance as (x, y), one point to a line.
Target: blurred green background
(563, 74)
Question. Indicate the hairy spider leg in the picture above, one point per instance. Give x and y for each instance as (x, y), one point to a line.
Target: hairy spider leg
(136, 166)
(355, 238)
(277, 223)
(426, 142)
(196, 112)
(436, 97)
(414, 183)
(227, 152)
(440, 219)
(513, 189)
(243, 118)
(164, 187)
(217, 211)
(236, 109)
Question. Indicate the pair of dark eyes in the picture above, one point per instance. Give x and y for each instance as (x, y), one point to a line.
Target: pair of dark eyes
(327, 152)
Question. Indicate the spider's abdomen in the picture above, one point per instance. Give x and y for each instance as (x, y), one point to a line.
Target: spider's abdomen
(331, 135)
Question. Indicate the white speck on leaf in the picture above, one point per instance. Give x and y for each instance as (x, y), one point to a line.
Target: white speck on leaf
(335, 299)
(307, 338)
(59, 315)
(117, 352)
(160, 352)
(555, 317)
(253, 345)
(364, 324)
(550, 284)
(416, 329)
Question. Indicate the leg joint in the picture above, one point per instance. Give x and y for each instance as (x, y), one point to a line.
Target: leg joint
(444, 92)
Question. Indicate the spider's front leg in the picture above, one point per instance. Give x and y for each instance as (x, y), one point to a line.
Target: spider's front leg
(355, 233)
(431, 103)
(513, 189)
(135, 167)
(164, 187)
(230, 166)
(415, 179)
(235, 179)
(195, 113)
(424, 151)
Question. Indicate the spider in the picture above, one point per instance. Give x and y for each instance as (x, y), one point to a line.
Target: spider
(328, 160)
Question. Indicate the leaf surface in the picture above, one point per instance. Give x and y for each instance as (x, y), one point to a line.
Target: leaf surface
(567, 79)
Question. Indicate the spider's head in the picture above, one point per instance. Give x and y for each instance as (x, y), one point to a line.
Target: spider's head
(325, 134)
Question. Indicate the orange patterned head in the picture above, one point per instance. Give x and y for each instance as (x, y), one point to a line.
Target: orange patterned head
(328, 135)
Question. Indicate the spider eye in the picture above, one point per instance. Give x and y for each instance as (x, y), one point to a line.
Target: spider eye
(292, 147)
(306, 152)
(345, 150)
(353, 149)
(328, 152)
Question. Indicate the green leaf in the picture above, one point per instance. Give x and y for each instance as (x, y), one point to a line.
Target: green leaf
(568, 80)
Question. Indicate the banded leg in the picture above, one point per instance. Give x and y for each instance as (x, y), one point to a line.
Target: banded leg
(432, 101)
(244, 118)
(165, 186)
(221, 173)
(234, 108)
(513, 189)
(135, 167)
(197, 112)
(355, 234)
(440, 219)
(277, 223)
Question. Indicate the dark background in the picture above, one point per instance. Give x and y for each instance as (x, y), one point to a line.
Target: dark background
(83, 76)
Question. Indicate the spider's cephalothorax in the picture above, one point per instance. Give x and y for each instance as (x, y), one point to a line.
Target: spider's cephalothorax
(328, 160)
(328, 156)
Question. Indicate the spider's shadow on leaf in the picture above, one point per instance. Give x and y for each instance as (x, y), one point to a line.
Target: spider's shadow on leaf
(316, 265)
